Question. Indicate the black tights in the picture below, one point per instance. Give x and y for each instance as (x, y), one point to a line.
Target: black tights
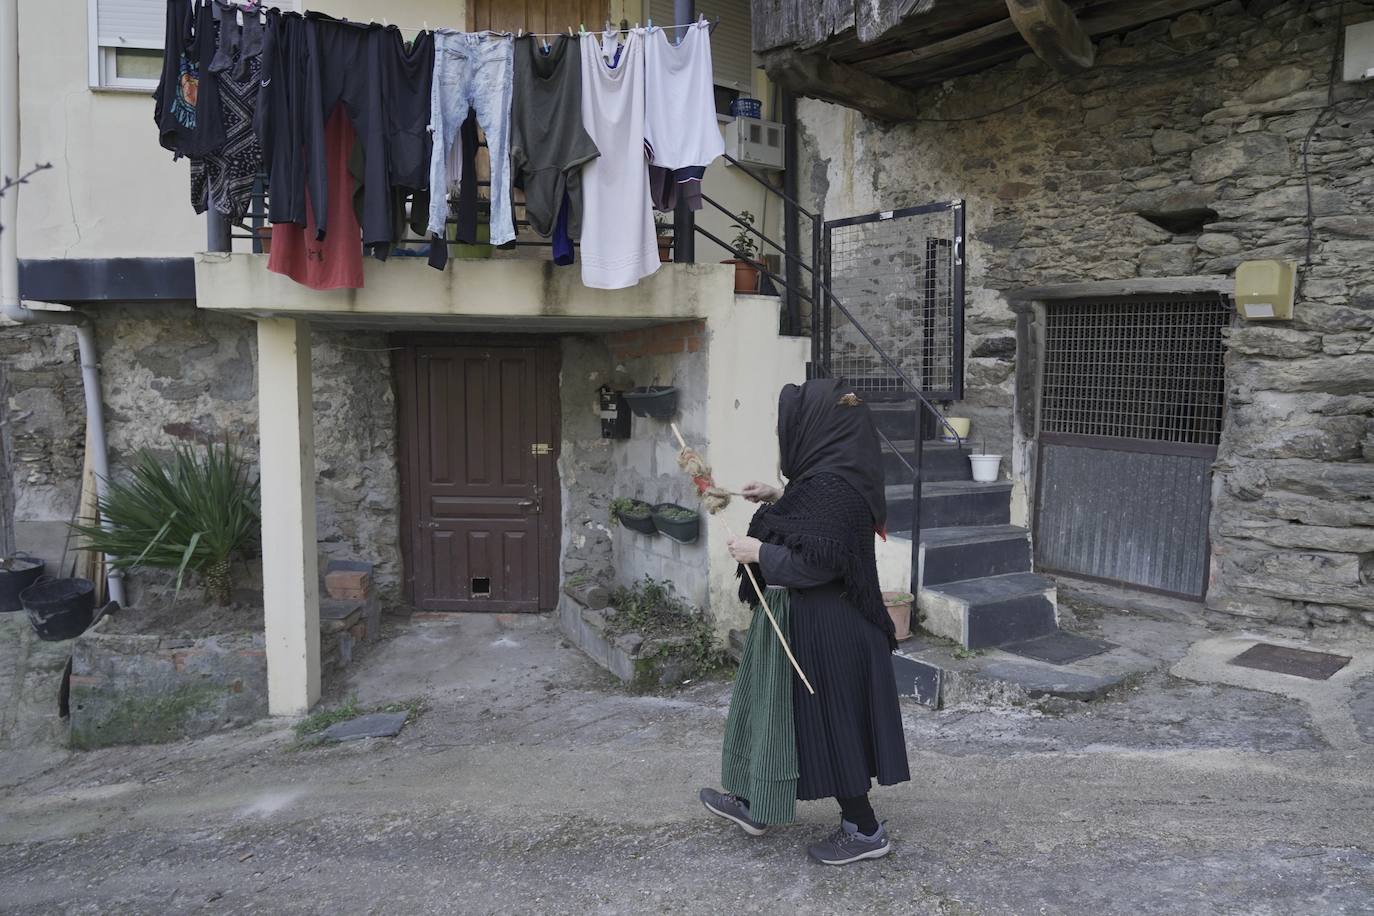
(856, 810)
(859, 812)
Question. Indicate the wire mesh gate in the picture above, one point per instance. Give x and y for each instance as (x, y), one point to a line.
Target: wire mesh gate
(901, 275)
(1131, 413)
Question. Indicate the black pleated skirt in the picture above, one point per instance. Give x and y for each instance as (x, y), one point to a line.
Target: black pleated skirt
(850, 731)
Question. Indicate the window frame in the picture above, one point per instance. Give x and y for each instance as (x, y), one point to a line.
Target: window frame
(101, 59)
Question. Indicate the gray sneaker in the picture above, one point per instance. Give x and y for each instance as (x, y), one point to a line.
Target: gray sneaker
(731, 808)
(847, 845)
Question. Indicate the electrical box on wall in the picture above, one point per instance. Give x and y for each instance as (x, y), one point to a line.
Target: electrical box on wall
(1359, 52)
(1264, 290)
(755, 142)
(615, 413)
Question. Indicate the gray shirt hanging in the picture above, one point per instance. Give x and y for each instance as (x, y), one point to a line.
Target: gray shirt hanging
(549, 145)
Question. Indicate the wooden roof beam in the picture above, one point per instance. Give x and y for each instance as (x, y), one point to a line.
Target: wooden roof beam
(1053, 32)
(819, 77)
(1099, 21)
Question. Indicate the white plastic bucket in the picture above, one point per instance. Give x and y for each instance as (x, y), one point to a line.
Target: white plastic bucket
(985, 467)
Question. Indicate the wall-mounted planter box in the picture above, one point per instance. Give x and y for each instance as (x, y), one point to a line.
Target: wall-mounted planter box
(677, 522)
(657, 401)
(639, 517)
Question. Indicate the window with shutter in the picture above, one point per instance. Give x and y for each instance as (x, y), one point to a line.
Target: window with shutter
(731, 43)
(126, 38)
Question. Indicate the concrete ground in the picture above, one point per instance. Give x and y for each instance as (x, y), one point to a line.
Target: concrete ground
(533, 784)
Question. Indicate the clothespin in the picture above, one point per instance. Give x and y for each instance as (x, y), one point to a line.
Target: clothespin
(519, 33)
(238, 18)
(570, 34)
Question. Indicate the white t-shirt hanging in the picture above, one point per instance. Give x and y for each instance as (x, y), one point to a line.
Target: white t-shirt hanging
(680, 121)
(619, 246)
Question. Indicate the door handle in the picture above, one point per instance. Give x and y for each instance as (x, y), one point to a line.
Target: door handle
(529, 504)
(430, 525)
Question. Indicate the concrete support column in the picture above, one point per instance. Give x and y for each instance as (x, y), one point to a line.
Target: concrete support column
(290, 564)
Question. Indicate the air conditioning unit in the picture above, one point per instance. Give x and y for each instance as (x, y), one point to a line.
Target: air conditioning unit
(756, 143)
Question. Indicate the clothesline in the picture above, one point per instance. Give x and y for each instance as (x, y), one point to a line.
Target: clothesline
(711, 27)
(257, 6)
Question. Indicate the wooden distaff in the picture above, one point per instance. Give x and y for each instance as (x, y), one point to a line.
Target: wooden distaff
(705, 484)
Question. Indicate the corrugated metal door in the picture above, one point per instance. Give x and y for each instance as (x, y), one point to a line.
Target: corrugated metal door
(1130, 418)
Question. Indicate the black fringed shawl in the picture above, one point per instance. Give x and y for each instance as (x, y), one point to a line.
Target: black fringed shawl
(828, 523)
(834, 500)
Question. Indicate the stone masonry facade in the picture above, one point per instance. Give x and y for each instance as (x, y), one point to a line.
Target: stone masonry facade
(595, 471)
(1180, 153)
(170, 374)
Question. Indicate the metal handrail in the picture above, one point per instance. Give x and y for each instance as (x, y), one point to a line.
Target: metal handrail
(749, 228)
(741, 166)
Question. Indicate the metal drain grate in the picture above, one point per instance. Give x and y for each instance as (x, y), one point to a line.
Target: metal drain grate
(1315, 666)
(1059, 648)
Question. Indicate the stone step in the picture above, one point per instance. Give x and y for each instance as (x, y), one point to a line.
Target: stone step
(894, 419)
(992, 610)
(972, 552)
(934, 673)
(939, 461)
(950, 503)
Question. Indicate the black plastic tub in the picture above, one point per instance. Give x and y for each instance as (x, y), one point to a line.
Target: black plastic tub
(682, 530)
(60, 608)
(644, 523)
(657, 401)
(16, 574)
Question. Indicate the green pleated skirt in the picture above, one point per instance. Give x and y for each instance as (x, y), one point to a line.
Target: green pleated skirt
(759, 757)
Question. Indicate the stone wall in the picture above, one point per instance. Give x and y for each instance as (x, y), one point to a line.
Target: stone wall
(1179, 153)
(594, 470)
(175, 374)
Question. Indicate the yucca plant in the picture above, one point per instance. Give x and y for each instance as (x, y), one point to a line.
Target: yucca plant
(197, 512)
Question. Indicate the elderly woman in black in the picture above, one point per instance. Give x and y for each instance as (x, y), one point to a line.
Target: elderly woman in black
(811, 545)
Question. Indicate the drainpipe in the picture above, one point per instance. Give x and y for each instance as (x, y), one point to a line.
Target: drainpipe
(684, 220)
(9, 267)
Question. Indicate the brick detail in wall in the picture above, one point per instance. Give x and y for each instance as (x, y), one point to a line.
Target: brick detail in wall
(660, 340)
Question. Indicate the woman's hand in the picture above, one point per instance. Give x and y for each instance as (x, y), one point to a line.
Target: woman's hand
(757, 492)
(744, 550)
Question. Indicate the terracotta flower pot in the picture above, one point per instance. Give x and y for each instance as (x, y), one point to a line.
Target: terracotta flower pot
(899, 609)
(746, 276)
(665, 249)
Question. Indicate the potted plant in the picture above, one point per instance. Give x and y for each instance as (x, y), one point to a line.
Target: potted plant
(196, 513)
(899, 609)
(677, 522)
(746, 253)
(960, 425)
(634, 514)
(663, 228)
(985, 466)
(60, 608)
(658, 401)
(17, 573)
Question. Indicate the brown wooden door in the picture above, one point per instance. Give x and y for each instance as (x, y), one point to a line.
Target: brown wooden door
(537, 15)
(482, 489)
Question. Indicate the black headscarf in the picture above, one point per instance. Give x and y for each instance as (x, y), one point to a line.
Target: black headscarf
(834, 497)
(824, 429)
